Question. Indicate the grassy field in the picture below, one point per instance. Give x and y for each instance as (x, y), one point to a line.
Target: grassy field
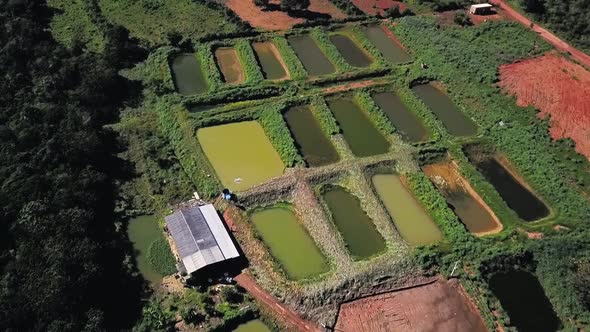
(73, 24)
(153, 21)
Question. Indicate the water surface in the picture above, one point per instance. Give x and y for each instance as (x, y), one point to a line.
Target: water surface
(316, 148)
(289, 243)
(253, 326)
(411, 221)
(404, 120)
(188, 75)
(360, 235)
(457, 123)
(142, 231)
(229, 63)
(359, 132)
(523, 298)
(313, 59)
(241, 154)
(351, 52)
(267, 55)
(391, 50)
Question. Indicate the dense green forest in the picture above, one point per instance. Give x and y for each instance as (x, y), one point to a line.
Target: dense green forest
(570, 19)
(61, 258)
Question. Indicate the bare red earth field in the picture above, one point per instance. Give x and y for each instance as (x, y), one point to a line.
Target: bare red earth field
(557, 87)
(439, 306)
(372, 7)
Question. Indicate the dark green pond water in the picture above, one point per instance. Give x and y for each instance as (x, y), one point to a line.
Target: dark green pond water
(187, 75)
(351, 52)
(267, 56)
(359, 132)
(391, 50)
(526, 205)
(316, 148)
(404, 120)
(357, 229)
(457, 123)
(313, 59)
(523, 298)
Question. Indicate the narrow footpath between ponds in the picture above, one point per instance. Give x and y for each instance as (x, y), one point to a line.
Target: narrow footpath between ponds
(545, 34)
(290, 317)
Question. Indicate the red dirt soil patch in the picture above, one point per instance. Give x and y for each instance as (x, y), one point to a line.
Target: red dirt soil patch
(269, 20)
(372, 7)
(560, 89)
(438, 306)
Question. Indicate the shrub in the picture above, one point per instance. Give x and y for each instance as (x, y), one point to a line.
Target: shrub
(161, 258)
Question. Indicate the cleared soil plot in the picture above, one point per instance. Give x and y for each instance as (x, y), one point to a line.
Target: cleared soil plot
(372, 7)
(389, 48)
(188, 75)
(523, 298)
(410, 218)
(229, 63)
(360, 235)
(289, 243)
(273, 66)
(313, 59)
(441, 306)
(560, 89)
(316, 148)
(362, 136)
(353, 53)
(241, 154)
(404, 120)
(258, 18)
(473, 212)
(457, 123)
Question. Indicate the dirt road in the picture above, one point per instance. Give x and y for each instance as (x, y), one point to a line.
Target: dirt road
(578, 55)
(289, 316)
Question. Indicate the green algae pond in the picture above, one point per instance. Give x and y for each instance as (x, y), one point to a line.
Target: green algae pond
(142, 231)
(229, 64)
(352, 53)
(289, 243)
(188, 75)
(255, 325)
(357, 229)
(404, 120)
(457, 123)
(313, 144)
(311, 56)
(241, 154)
(389, 48)
(359, 132)
(410, 218)
(270, 60)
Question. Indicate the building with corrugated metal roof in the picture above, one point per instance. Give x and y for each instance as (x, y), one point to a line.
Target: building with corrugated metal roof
(200, 237)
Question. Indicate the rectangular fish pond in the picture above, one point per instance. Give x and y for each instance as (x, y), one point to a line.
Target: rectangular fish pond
(472, 211)
(363, 138)
(404, 120)
(357, 229)
(241, 154)
(353, 53)
(523, 298)
(513, 191)
(188, 75)
(270, 60)
(456, 123)
(410, 218)
(389, 48)
(313, 144)
(289, 243)
(229, 64)
(311, 56)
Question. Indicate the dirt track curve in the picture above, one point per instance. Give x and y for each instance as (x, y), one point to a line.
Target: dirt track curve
(290, 317)
(578, 55)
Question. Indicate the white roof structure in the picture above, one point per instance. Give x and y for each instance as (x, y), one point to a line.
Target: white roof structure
(200, 237)
(482, 5)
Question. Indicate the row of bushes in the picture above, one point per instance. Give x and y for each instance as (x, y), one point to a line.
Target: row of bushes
(359, 35)
(367, 104)
(321, 38)
(294, 65)
(250, 65)
(273, 123)
(322, 113)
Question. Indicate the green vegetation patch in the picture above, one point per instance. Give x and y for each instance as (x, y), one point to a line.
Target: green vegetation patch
(161, 258)
(74, 25)
(154, 21)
